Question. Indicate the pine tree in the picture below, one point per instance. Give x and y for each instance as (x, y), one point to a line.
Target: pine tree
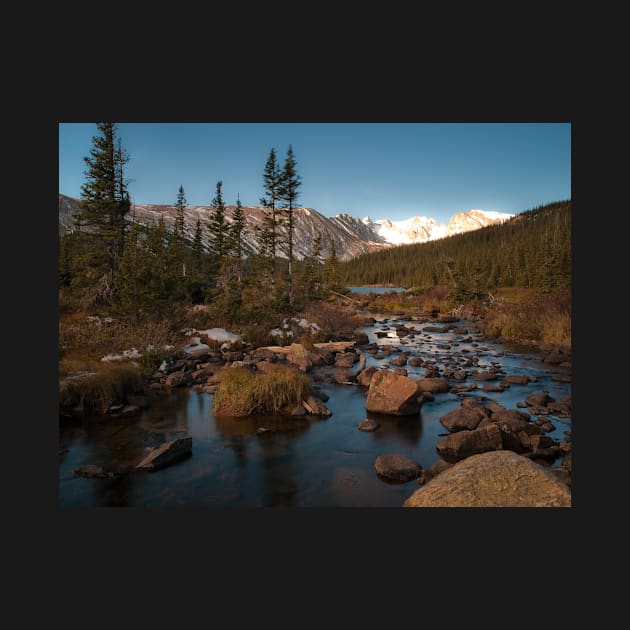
(237, 233)
(178, 244)
(197, 251)
(219, 232)
(312, 270)
(105, 203)
(288, 192)
(270, 224)
(331, 268)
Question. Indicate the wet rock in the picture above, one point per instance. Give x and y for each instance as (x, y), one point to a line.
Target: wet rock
(431, 372)
(466, 443)
(483, 375)
(561, 378)
(392, 394)
(488, 387)
(476, 403)
(261, 430)
(201, 376)
(428, 397)
(517, 379)
(316, 407)
(365, 377)
(539, 399)
(462, 419)
(434, 329)
(521, 405)
(156, 387)
(460, 375)
(178, 379)
(435, 385)
(344, 376)
(516, 420)
(400, 360)
(369, 321)
(345, 359)
(494, 406)
(167, 454)
(400, 371)
(91, 471)
(397, 468)
(416, 362)
(547, 427)
(495, 479)
(361, 338)
(368, 425)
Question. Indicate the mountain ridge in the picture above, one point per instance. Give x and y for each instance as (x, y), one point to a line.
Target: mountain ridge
(350, 235)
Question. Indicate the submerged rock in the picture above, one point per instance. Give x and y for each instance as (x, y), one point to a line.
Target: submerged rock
(167, 454)
(368, 425)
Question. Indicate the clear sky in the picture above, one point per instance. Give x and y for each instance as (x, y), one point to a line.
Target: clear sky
(384, 170)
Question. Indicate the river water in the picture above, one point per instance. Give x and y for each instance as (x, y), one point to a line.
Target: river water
(302, 461)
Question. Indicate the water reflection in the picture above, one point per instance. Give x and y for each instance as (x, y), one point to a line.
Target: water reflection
(409, 428)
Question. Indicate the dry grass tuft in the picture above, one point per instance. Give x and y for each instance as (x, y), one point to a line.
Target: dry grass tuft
(242, 393)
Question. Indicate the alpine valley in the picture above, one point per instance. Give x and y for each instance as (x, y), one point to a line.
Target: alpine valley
(351, 236)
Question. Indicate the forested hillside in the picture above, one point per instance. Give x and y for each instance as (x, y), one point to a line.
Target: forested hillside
(533, 249)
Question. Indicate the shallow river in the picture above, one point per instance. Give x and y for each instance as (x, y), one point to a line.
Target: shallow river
(302, 461)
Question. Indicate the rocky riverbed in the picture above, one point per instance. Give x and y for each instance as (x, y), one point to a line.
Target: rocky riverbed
(403, 405)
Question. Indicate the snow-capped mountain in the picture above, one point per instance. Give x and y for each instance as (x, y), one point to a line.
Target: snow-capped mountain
(421, 229)
(350, 235)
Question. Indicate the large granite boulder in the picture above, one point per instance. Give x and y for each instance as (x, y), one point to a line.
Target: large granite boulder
(392, 394)
(496, 479)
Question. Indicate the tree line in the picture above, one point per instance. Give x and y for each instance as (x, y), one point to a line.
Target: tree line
(109, 259)
(532, 249)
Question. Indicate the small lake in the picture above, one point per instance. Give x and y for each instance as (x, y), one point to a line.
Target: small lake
(301, 462)
(377, 289)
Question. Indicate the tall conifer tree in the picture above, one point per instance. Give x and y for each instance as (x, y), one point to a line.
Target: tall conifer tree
(289, 183)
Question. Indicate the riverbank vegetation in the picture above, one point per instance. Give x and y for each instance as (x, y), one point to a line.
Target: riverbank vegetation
(243, 393)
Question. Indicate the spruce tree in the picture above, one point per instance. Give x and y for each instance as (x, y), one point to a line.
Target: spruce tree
(290, 181)
(219, 234)
(105, 203)
(178, 244)
(268, 232)
(237, 233)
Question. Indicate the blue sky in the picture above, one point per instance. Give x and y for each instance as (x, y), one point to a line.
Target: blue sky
(384, 170)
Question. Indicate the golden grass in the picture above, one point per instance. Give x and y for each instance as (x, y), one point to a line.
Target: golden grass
(242, 393)
(525, 315)
(93, 386)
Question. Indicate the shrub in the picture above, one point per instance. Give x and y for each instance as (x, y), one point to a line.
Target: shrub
(242, 393)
